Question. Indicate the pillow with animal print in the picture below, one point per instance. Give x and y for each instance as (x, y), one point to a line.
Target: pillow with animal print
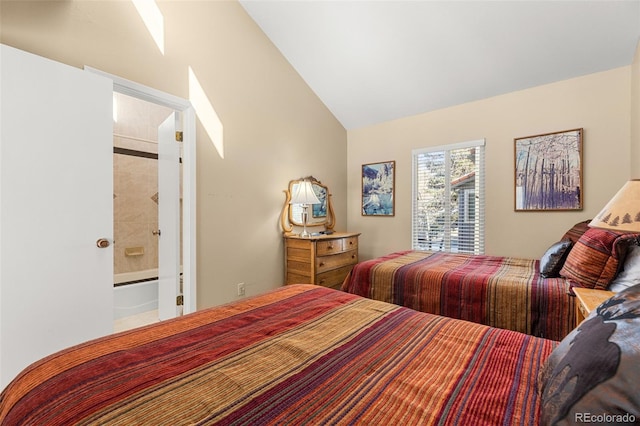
(593, 375)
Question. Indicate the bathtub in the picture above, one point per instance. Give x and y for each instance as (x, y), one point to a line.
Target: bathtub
(134, 293)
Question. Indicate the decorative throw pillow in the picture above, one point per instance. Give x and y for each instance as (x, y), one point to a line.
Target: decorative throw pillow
(594, 259)
(594, 371)
(553, 259)
(576, 231)
(630, 273)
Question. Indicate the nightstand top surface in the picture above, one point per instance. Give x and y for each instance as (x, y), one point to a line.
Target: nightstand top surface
(591, 298)
(324, 236)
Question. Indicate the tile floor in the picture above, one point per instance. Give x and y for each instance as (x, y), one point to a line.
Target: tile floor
(134, 321)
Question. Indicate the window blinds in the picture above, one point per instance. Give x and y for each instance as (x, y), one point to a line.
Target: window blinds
(448, 198)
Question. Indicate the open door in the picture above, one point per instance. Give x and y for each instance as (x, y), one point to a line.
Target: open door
(168, 219)
(56, 220)
(186, 200)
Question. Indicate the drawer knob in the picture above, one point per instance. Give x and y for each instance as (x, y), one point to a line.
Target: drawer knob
(321, 263)
(350, 243)
(353, 256)
(330, 247)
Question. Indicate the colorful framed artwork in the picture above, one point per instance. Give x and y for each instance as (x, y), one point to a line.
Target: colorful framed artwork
(378, 186)
(548, 172)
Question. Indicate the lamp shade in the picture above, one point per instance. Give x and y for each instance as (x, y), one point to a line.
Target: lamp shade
(303, 193)
(622, 213)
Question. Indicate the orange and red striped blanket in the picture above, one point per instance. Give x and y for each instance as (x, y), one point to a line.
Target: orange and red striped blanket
(298, 355)
(504, 292)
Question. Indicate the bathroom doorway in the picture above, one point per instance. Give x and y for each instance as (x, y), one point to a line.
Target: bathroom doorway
(177, 277)
(136, 202)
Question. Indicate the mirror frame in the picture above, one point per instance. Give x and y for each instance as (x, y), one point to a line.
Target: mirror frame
(288, 223)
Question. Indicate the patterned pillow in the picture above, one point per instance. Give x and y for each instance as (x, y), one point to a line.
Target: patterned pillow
(594, 260)
(553, 259)
(593, 375)
(576, 231)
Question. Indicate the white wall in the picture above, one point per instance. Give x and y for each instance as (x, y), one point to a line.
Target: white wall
(635, 115)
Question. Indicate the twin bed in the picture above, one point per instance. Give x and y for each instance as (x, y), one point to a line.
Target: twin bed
(299, 355)
(527, 295)
(304, 354)
(502, 292)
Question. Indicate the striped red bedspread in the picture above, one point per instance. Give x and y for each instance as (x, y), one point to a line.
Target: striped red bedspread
(503, 292)
(298, 355)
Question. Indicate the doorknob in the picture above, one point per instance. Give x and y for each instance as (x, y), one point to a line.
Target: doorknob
(103, 243)
(156, 232)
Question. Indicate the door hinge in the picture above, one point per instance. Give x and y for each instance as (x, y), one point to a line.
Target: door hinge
(180, 300)
(178, 136)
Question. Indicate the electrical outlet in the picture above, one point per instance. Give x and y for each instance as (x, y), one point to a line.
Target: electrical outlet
(241, 289)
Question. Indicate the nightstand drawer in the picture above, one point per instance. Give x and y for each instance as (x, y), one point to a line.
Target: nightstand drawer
(327, 263)
(350, 243)
(324, 248)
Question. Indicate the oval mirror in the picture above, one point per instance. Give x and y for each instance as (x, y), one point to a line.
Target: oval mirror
(318, 214)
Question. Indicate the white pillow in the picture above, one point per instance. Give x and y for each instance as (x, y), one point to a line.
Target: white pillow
(630, 275)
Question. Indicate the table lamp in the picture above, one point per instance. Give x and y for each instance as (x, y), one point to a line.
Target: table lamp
(622, 213)
(304, 195)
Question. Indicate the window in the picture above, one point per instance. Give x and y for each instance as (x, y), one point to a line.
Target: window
(448, 198)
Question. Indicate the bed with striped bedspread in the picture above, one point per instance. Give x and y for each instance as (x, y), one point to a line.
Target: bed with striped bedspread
(504, 292)
(298, 355)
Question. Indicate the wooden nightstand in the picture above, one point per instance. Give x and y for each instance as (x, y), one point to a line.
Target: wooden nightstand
(588, 299)
(323, 260)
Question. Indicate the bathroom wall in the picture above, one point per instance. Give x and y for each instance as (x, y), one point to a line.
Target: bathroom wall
(135, 184)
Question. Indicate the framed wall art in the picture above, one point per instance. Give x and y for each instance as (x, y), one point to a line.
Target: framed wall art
(548, 172)
(378, 186)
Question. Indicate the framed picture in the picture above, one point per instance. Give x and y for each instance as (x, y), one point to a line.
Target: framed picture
(548, 171)
(378, 186)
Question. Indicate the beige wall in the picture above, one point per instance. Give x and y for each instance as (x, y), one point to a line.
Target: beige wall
(599, 103)
(275, 128)
(635, 115)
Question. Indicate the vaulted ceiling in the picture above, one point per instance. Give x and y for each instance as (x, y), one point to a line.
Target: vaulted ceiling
(372, 61)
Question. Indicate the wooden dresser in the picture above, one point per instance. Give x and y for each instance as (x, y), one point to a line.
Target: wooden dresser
(323, 260)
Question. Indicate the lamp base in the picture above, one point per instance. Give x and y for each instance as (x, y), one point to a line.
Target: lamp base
(304, 233)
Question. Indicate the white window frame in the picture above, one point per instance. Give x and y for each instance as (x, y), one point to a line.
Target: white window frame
(479, 193)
